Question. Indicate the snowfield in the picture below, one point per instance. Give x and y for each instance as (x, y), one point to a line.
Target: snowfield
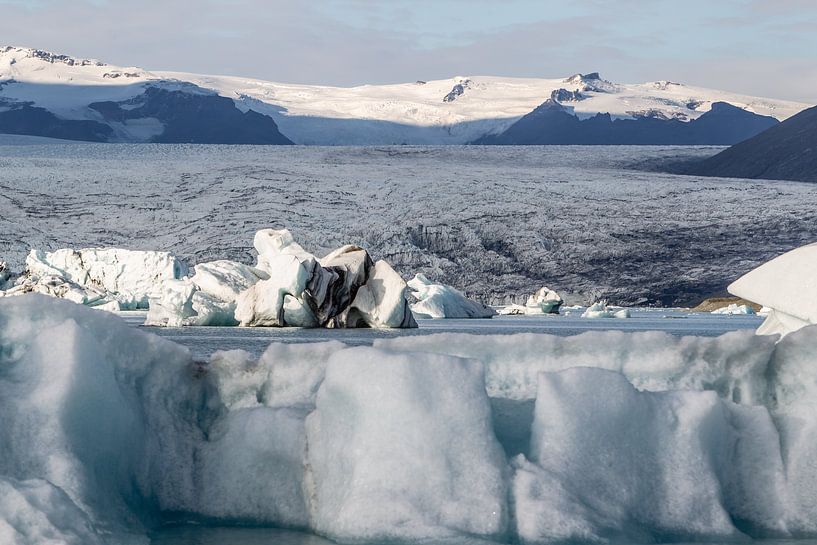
(451, 111)
(600, 437)
(495, 223)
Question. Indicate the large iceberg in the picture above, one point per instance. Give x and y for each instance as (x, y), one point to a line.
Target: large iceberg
(343, 289)
(441, 301)
(787, 285)
(601, 437)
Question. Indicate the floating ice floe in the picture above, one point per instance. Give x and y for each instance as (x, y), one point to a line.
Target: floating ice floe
(544, 301)
(600, 310)
(601, 437)
(441, 301)
(208, 298)
(787, 286)
(735, 310)
(95, 276)
(343, 289)
(287, 287)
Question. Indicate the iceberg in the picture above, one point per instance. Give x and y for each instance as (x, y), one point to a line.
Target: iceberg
(734, 310)
(601, 437)
(600, 310)
(512, 310)
(345, 288)
(441, 301)
(787, 285)
(544, 301)
(208, 298)
(130, 275)
(289, 287)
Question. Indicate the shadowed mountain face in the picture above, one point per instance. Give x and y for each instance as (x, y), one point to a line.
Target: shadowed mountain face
(31, 120)
(188, 115)
(552, 123)
(787, 151)
(194, 118)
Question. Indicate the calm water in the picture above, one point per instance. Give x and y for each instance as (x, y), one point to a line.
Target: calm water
(203, 341)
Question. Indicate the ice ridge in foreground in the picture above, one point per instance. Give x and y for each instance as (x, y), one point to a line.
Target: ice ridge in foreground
(605, 436)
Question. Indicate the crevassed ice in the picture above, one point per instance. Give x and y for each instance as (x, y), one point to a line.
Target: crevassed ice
(605, 436)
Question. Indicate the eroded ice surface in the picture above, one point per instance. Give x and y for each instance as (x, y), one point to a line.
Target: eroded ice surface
(533, 438)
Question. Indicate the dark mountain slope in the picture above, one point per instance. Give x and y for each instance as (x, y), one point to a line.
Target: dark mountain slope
(552, 123)
(195, 118)
(787, 151)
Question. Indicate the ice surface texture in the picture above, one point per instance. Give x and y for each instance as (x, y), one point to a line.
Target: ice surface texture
(788, 286)
(497, 224)
(600, 437)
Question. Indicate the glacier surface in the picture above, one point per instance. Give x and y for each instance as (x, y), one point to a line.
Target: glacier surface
(496, 224)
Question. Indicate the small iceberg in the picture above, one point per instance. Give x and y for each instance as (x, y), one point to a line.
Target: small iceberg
(601, 310)
(441, 301)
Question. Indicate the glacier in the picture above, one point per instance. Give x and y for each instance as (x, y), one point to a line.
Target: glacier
(601, 437)
(575, 219)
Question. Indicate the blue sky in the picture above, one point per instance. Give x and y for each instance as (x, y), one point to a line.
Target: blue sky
(762, 47)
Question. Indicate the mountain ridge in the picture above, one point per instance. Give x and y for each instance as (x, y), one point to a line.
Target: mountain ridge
(452, 111)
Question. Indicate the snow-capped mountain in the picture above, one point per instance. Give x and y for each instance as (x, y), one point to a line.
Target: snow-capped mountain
(45, 94)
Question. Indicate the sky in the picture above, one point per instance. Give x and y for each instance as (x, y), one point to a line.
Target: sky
(756, 47)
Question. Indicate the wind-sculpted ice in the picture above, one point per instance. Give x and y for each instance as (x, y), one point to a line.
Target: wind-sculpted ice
(787, 285)
(600, 310)
(343, 289)
(441, 301)
(601, 437)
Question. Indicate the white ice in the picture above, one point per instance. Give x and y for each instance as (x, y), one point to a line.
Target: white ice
(129, 276)
(734, 310)
(442, 301)
(788, 286)
(601, 310)
(599, 437)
